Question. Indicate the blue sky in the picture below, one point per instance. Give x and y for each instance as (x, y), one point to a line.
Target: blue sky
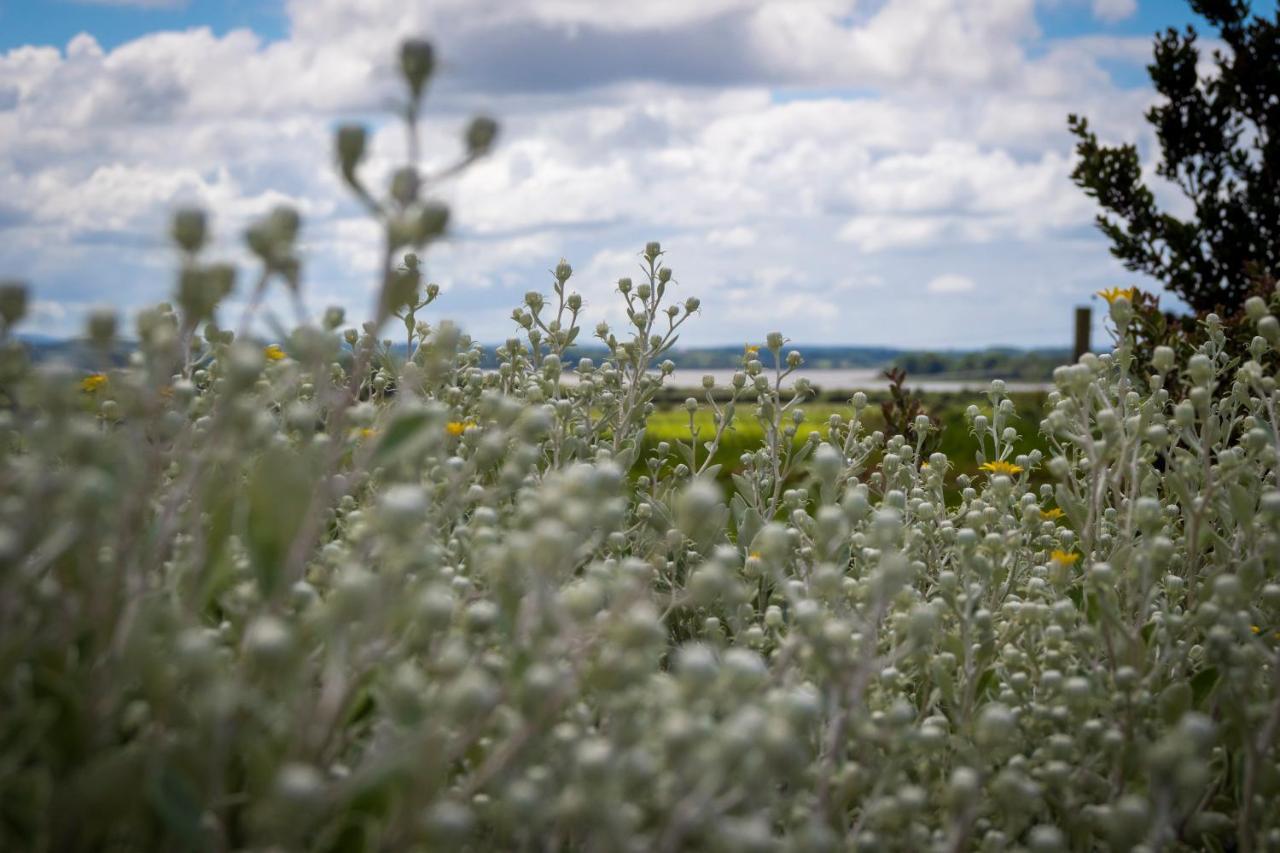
(58, 21)
(113, 23)
(881, 172)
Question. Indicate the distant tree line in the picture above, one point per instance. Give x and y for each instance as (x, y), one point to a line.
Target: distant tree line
(995, 363)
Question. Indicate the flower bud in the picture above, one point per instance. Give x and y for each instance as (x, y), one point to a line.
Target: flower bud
(828, 462)
(1269, 328)
(350, 144)
(1121, 310)
(698, 508)
(102, 326)
(480, 135)
(268, 641)
(964, 787)
(447, 825)
(1255, 308)
(188, 229)
(1046, 839)
(1147, 512)
(996, 724)
(299, 785)
(403, 505)
(417, 61)
(1184, 414)
(431, 221)
(1200, 368)
(13, 301)
(405, 185)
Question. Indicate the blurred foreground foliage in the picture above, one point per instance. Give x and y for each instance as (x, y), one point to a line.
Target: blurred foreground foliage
(323, 595)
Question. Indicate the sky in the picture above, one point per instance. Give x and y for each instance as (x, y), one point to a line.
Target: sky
(860, 172)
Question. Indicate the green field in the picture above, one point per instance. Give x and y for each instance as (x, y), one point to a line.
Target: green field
(671, 423)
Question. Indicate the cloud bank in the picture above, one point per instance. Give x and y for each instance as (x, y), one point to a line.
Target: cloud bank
(867, 173)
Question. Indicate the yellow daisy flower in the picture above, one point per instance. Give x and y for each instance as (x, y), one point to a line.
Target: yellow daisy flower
(93, 382)
(751, 350)
(1066, 558)
(1051, 514)
(274, 353)
(1001, 467)
(1111, 294)
(456, 428)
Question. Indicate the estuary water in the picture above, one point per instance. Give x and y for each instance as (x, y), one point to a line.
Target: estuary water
(850, 379)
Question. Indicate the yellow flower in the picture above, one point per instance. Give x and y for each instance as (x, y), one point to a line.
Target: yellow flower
(273, 353)
(456, 428)
(1111, 294)
(754, 555)
(751, 350)
(1051, 514)
(1255, 629)
(1001, 467)
(368, 432)
(924, 466)
(1065, 558)
(93, 382)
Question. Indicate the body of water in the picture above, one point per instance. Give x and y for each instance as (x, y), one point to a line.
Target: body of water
(851, 379)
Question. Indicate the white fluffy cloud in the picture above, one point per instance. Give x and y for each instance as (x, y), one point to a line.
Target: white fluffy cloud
(1114, 10)
(815, 162)
(951, 283)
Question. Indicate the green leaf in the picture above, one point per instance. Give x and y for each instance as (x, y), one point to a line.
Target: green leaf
(630, 452)
(802, 454)
(1243, 501)
(1202, 684)
(986, 683)
(1146, 632)
(1174, 701)
(749, 526)
(177, 803)
(280, 490)
(686, 452)
(1092, 610)
(401, 430)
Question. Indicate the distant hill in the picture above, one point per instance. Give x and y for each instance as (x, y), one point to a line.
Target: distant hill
(729, 357)
(994, 362)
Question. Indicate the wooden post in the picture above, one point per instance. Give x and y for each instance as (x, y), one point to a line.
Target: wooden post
(1084, 326)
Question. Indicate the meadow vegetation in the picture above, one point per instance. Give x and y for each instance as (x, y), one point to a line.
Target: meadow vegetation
(312, 593)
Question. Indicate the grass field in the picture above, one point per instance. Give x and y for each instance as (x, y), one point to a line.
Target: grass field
(671, 423)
